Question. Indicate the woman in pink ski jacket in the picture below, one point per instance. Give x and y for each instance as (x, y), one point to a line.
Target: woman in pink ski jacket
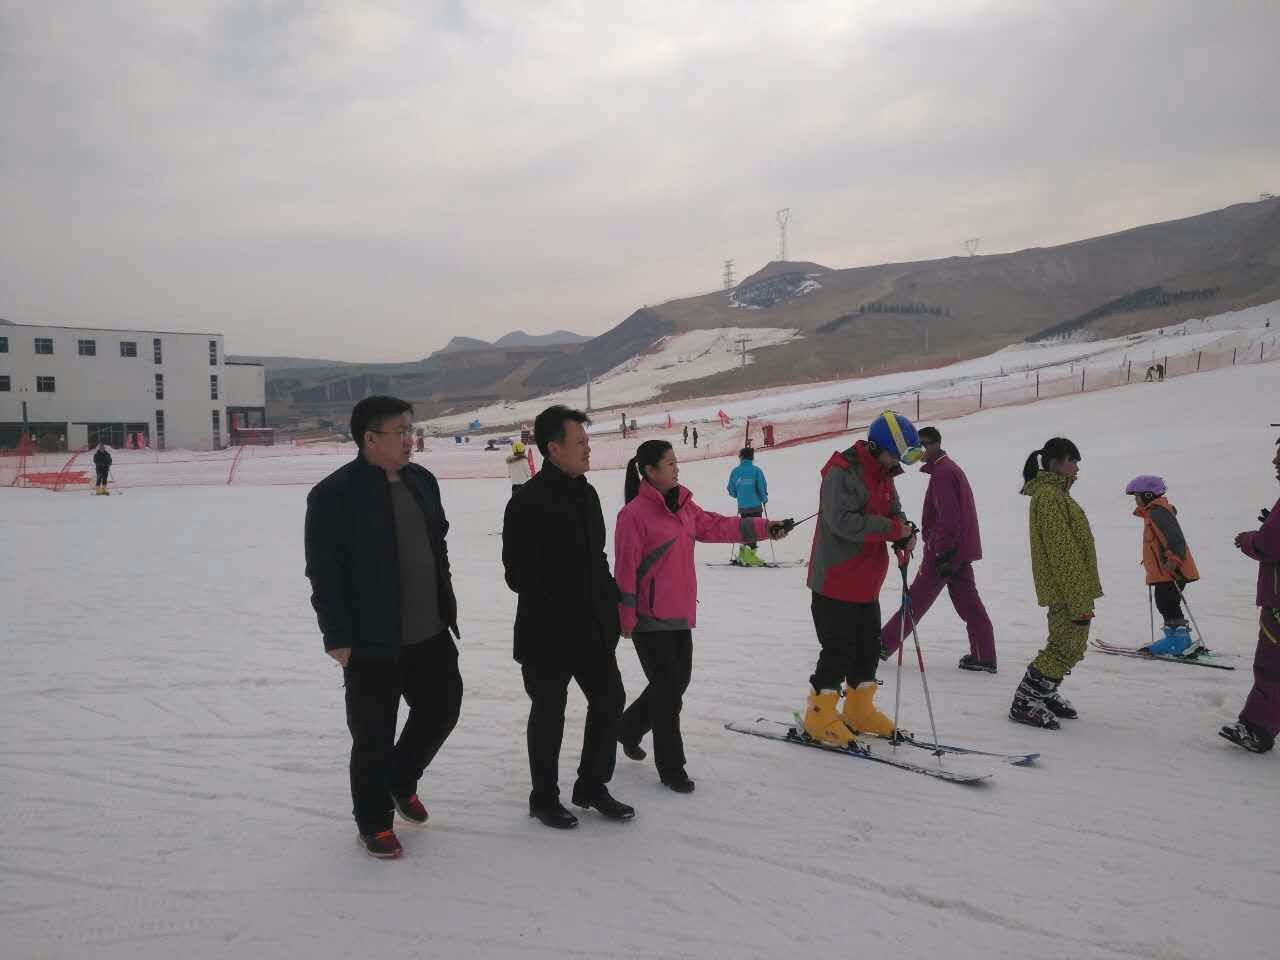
(653, 565)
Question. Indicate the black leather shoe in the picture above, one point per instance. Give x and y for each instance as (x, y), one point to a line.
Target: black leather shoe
(633, 751)
(604, 802)
(680, 783)
(553, 815)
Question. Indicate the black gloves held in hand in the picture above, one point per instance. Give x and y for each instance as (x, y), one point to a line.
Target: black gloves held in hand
(943, 564)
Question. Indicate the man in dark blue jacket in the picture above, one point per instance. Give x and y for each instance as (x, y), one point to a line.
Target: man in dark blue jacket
(380, 585)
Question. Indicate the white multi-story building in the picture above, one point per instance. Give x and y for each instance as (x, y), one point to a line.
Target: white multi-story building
(83, 385)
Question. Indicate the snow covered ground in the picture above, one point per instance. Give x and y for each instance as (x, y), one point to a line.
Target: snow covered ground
(174, 750)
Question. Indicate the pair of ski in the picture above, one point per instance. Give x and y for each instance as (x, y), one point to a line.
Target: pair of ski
(962, 764)
(767, 565)
(1205, 658)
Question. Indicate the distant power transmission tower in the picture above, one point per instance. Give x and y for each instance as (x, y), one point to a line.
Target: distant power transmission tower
(972, 245)
(784, 216)
(729, 283)
(742, 345)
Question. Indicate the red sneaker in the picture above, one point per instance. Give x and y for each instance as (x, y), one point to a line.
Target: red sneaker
(411, 809)
(382, 844)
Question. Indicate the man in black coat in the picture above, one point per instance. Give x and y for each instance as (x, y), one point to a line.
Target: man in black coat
(382, 592)
(101, 466)
(567, 626)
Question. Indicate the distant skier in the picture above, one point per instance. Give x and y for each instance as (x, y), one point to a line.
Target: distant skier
(1064, 566)
(695, 438)
(949, 526)
(1168, 563)
(653, 545)
(1260, 719)
(747, 484)
(859, 515)
(686, 433)
(518, 466)
(102, 467)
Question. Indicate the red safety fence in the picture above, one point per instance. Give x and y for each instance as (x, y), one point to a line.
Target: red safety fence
(310, 462)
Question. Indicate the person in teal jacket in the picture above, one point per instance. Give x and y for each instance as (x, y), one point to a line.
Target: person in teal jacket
(747, 485)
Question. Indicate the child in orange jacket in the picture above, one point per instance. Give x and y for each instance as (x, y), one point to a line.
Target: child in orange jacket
(1168, 563)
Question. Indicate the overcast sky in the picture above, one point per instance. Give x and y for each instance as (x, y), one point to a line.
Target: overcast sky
(364, 181)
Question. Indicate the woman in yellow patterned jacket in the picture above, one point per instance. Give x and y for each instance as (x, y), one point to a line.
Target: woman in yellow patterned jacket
(1064, 565)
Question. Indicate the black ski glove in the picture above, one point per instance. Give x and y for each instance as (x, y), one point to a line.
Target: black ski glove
(901, 544)
(942, 563)
(1262, 517)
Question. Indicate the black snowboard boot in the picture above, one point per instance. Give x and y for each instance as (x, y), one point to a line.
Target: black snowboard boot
(1248, 735)
(1029, 701)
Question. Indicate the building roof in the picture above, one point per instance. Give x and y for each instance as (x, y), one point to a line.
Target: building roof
(58, 326)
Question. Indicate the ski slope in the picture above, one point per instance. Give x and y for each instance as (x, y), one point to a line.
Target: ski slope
(639, 382)
(685, 356)
(174, 749)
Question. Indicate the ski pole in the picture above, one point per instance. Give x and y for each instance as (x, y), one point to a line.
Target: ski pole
(928, 702)
(1151, 610)
(1183, 597)
(903, 559)
(773, 553)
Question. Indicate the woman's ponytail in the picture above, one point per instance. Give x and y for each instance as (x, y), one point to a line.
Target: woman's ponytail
(631, 483)
(1032, 466)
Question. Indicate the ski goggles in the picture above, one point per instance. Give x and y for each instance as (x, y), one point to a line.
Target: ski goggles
(912, 455)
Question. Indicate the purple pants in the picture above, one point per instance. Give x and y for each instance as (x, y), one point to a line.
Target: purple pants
(1262, 709)
(964, 597)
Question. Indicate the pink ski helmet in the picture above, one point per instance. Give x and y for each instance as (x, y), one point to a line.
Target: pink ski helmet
(1147, 483)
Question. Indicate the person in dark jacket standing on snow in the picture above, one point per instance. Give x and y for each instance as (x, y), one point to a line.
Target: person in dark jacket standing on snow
(653, 546)
(566, 618)
(101, 466)
(1260, 719)
(859, 515)
(383, 594)
(949, 527)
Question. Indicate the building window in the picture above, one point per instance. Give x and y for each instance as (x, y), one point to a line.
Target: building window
(213, 388)
(213, 353)
(4, 344)
(128, 348)
(155, 350)
(44, 385)
(44, 347)
(4, 384)
(87, 348)
(159, 386)
(159, 429)
(217, 430)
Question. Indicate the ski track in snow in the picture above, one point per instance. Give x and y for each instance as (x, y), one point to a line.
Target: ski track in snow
(173, 771)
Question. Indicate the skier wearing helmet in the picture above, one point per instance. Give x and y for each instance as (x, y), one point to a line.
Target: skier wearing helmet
(1168, 563)
(518, 466)
(859, 515)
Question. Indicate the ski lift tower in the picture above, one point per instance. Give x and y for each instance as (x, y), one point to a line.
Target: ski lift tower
(784, 216)
(971, 245)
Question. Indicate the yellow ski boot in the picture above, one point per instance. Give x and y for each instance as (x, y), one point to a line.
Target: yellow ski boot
(861, 714)
(747, 557)
(822, 721)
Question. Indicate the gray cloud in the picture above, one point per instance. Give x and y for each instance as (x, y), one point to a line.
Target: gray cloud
(366, 180)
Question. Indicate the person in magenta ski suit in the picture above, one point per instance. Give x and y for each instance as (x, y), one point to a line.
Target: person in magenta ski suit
(949, 526)
(1260, 719)
(653, 545)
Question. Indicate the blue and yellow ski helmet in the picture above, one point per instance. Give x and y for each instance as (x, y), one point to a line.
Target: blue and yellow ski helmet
(895, 434)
